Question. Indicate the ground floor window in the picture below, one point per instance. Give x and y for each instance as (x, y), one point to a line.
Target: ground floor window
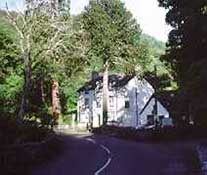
(111, 101)
(86, 102)
(150, 120)
(127, 104)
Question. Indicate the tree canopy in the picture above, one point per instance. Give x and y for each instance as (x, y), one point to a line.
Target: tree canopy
(114, 34)
(105, 30)
(186, 51)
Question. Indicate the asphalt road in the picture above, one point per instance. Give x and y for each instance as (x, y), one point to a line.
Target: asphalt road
(102, 155)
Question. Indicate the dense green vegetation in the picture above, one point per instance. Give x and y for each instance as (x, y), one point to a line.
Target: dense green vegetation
(186, 55)
(105, 33)
(70, 87)
(12, 81)
(46, 55)
(10, 69)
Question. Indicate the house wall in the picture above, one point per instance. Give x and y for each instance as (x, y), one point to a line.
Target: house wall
(119, 108)
(161, 111)
(97, 109)
(85, 111)
(137, 92)
(144, 93)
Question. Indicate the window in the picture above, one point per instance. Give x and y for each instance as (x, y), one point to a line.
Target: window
(111, 101)
(86, 92)
(161, 117)
(98, 102)
(127, 105)
(86, 102)
(150, 120)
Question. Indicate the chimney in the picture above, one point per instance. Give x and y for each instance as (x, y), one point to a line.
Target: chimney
(94, 75)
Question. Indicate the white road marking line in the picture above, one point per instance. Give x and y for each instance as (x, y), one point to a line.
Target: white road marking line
(108, 161)
(105, 166)
(91, 140)
(106, 149)
(108, 152)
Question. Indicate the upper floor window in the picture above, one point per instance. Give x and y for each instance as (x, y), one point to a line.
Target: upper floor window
(127, 104)
(86, 92)
(86, 102)
(111, 101)
(98, 102)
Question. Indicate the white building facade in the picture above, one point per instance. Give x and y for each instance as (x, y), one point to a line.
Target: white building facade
(131, 103)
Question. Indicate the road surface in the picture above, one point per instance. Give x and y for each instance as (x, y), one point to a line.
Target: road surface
(102, 155)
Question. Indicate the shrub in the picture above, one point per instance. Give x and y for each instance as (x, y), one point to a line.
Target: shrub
(154, 134)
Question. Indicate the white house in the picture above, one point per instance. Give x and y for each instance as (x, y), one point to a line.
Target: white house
(131, 102)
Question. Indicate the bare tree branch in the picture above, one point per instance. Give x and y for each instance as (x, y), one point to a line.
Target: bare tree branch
(16, 26)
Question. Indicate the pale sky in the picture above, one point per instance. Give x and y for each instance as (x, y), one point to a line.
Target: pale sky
(150, 17)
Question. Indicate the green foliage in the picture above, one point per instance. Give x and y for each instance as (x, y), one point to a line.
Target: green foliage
(105, 31)
(11, 86)
(100, 36)
(10, 71)
(186, 51)
(156, 49)
(55, 46)
(58, 54)
(114, 35)
(8, 54)
(5, 27)
(9, 93)
(65, 119)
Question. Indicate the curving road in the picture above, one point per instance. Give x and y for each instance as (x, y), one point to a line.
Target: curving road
(102, 155)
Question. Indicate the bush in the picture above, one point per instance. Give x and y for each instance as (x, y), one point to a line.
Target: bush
(19, 159)
(12, 132)
(25, 145)
(159, 134)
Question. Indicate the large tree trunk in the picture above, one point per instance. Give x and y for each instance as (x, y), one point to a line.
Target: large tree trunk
(27, 86)
(105, 94)
(56, 108)
(40, 91)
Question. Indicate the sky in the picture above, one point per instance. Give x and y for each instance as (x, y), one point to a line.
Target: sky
(147, 13)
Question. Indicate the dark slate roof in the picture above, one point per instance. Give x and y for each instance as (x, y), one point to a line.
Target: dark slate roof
(115, 80)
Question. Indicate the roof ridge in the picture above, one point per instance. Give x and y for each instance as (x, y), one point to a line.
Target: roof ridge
(119, 79)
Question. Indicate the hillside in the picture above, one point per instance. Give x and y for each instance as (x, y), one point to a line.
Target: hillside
(156, 49)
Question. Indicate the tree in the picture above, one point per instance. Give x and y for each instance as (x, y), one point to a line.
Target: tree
(186, 51)
(10, 73)
(115, 39)
(46, 46)
(8, 54)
